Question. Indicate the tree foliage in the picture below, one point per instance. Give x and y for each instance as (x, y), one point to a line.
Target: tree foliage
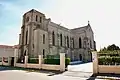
(113, 47)
(110, 48)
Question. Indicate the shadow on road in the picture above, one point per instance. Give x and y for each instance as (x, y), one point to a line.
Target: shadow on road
(110, 76)
(80, 63)
(93, 77)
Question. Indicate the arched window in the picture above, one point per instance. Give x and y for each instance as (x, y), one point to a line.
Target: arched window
(26, 37)
(25, 53)
(61, 39)
(43, 53)
(40, 19)
(73, 42)
(53, 38)
(67, 41)
(90, 44)
(43, 38)
(80, 43)
(36, 18)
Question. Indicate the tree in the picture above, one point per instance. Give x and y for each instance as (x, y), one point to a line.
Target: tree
(113, 47)
(110, 48)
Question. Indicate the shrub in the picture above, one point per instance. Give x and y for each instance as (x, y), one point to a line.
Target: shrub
(56, 61)
(67, 61)
(108, 60)
(101, 60)
(52, 61)
(33, 60)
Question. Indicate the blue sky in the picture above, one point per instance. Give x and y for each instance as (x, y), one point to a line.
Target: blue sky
(104, 17)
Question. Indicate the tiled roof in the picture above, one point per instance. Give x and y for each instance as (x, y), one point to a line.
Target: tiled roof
(7, 46)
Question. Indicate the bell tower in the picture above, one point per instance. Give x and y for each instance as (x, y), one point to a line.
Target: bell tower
(31, 20)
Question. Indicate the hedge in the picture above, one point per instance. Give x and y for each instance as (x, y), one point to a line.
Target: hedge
(56, 61)
(109, 60)
(107, 54)
(49, 61)
(107, 51)
(33, 60)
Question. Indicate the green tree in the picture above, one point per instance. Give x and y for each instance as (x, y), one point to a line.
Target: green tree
(113, 47)
(110, 48)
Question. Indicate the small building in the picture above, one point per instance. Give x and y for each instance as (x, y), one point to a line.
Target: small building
(8, 53)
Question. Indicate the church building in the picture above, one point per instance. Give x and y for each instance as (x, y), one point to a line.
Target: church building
(41, 36)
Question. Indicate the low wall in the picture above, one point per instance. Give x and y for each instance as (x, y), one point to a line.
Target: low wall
(37, 66)
(108, 69)
(20, 65)
(5, 64)
(0, 63)
(50, 67)
(60, 67)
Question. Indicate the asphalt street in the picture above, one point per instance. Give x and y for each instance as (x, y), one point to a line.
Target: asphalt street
(75, 72)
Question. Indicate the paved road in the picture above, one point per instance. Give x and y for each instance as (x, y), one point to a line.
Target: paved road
(78, 72)
(75, 72)
(86, 67)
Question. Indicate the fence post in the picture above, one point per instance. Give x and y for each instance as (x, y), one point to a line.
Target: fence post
(95, 62)
(15, 60)
(9, 61)
(15, 56)
(2, 60)
(26, 61)
(40, 61)
(62, 62)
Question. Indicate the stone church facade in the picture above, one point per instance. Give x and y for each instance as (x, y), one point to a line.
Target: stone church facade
(41, 36)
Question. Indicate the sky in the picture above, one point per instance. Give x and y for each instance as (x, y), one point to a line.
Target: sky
(104, 17)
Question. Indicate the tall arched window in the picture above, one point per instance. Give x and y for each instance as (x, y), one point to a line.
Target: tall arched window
(36, 18)
(90, 44)
(43, 38)
(40, 19)
(53, 38)
(43, 53)
(80, 43)
(73, 42)
(25, 53)
(26, 37)
(61, 39)
(67, 41)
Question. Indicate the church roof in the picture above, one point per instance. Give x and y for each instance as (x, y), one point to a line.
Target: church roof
(33, 10)
(84, 27)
